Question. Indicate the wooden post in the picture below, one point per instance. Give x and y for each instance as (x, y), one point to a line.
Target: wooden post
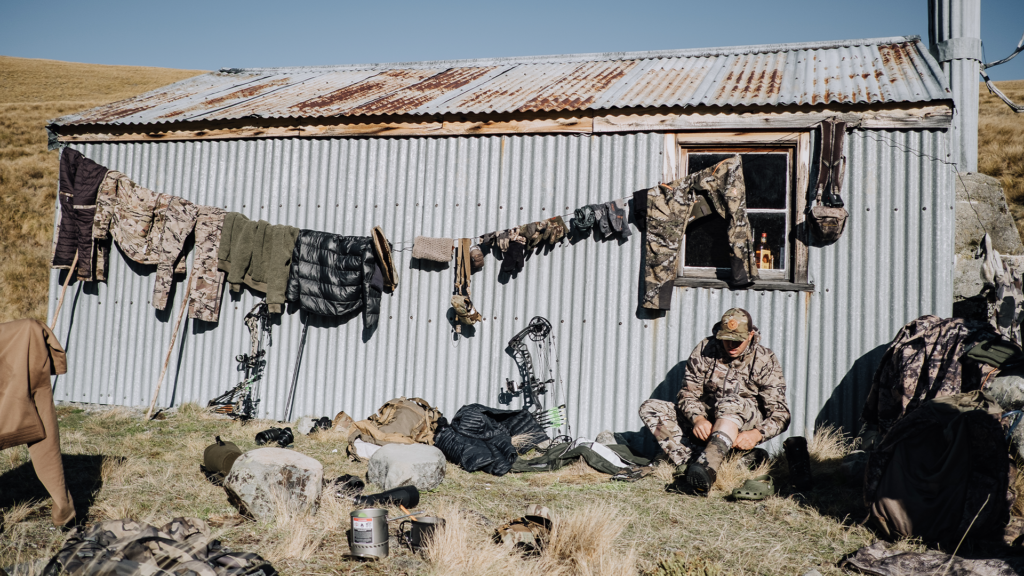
(74, 264)
(170, 349)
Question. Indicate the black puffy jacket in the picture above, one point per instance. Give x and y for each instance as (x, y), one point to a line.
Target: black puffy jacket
(331, 275)
(480, 438)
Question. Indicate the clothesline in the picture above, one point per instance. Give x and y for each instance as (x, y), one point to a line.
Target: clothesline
(405, 245)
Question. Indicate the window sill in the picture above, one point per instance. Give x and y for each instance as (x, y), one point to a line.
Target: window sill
(782, 285)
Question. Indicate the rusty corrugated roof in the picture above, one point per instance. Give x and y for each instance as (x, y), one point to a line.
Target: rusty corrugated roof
(881, 70)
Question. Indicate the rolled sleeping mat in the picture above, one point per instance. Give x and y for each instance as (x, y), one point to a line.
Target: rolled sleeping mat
(219, 457)
(407, 496)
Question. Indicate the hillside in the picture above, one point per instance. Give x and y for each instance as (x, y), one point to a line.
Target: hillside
(1001, 144)
(32, 92)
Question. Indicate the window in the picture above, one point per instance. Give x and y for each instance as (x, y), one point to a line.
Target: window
(774, 171)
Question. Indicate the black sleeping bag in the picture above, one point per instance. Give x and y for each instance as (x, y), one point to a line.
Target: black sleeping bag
(480, 438)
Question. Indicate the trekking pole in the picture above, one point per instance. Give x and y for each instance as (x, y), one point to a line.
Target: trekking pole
(295, 374)
(71, 272)
(170, 349)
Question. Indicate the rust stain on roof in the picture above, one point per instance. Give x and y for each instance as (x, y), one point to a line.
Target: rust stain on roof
(340, 101)
(412, 97)
(579, 88)
(242, 94)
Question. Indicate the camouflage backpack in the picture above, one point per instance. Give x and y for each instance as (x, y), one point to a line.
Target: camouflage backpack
(528, 534)
(182, 547)
(399, 421)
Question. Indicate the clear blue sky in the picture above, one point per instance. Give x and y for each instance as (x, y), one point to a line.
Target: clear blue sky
(214, 34)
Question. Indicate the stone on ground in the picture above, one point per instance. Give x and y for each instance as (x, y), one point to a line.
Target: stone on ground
(416, 465)
(304, 424)
(266, 480)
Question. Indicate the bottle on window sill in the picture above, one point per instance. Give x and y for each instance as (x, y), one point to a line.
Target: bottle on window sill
(765, 260)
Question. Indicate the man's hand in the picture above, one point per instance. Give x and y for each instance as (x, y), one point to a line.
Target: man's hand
(702, 428)
(747, 440)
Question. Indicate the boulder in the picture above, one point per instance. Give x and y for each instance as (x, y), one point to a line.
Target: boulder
(264, 480)
(304, 424)
(416, 465)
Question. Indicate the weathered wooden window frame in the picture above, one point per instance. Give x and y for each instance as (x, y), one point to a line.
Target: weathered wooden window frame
(799, 143)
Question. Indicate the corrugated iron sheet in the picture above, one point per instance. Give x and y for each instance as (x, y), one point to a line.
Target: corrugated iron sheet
(893, 264)
(851, 72)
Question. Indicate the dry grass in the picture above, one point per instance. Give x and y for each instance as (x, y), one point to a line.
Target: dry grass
(119, 465)
(1001, 143)
(32, 92)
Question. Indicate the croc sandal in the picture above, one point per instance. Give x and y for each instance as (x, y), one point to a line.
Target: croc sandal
(700, 478)
(756, 489)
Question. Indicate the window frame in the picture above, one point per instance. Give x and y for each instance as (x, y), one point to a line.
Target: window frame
(797, 144)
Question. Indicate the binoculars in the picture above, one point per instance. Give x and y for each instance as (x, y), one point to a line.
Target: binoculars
(282, 437)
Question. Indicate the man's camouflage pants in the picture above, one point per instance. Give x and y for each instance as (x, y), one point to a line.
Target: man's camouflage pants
(669, 210)
(675, 433)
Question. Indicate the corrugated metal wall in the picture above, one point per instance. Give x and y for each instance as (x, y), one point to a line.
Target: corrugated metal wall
(893, 264)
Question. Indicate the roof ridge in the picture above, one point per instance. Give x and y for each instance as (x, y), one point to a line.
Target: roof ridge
(588, 57)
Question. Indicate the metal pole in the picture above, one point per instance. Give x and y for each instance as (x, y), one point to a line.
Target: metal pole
(295, 373)
(954, 35)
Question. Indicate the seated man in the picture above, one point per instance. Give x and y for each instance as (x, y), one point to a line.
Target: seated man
(734, 397)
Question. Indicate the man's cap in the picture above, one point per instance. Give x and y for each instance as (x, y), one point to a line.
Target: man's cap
(734, 326)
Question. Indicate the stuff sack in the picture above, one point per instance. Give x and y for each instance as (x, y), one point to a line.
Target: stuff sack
(942, 470)
(827, 223)
(399, 421)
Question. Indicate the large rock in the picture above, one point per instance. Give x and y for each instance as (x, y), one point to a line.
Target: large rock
(265, 480)
(416, 465)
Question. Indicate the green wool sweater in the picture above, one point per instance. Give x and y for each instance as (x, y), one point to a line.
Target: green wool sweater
(257, 254)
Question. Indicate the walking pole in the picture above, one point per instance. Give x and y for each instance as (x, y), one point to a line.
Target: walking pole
(295, 374)
(167, 360)
(71, 272)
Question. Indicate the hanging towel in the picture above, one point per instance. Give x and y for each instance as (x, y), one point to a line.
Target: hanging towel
(639, 209)
(434, 249)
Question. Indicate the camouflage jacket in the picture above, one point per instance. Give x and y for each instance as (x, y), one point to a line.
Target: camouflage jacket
(150, 228)
(755, 379)
(924, 361)
(182, 547)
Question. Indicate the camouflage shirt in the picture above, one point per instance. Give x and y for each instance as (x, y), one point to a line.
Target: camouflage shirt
(751, 382)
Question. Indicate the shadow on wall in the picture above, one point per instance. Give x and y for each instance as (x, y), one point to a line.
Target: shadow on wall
(83, 474)
(843, 408)
(642, 442)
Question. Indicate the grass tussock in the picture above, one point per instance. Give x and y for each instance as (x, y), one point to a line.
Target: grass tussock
(32, 92)
(583, 542)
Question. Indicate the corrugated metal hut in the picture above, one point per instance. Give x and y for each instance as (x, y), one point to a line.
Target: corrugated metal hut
(461, 148)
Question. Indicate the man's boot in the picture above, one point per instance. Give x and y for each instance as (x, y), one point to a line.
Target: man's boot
(701, 474)
(799, 463)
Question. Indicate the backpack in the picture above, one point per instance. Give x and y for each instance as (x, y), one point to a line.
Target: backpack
(399, 421)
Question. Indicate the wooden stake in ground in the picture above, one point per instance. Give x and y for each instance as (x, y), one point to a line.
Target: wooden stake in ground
(167, 360)
(74, 264)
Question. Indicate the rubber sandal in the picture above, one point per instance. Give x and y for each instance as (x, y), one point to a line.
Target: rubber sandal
(701, 478)
(755, 489)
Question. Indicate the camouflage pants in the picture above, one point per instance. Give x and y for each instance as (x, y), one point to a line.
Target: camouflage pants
(173, 221)
(207, 279)
(675, 434)
(668, 213)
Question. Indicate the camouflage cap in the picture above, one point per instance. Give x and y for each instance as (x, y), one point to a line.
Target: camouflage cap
(734, 325)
